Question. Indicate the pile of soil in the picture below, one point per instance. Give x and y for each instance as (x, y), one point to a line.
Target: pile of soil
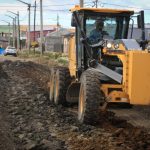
(2, 72)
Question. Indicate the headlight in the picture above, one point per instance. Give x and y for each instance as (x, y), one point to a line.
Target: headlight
(148, 47)
(109, 45)
(116, 45)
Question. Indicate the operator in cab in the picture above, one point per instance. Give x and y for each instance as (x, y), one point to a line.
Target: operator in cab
(97, 34)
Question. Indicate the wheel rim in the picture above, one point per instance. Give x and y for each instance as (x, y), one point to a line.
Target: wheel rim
(81, 103)
(56, 90)
(52, 87)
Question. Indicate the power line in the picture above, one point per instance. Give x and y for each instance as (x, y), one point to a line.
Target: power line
(59, 5)
(11, 6)
(57, 10)
(37, 4)
(127, 6)
(69, 4)
(120, 5)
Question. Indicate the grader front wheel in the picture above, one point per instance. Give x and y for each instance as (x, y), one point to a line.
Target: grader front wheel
(89, 98)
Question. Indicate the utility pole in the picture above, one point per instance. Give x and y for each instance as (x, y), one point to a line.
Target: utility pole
(9, 31)
(13, 22)
(29, 9)
(81, 3)
(19, 44)
(14, 39)
(18, 29)
(16, 32)
(41, 32)
(96, 3)
(57, 21)
(34, 22)
(29, 40)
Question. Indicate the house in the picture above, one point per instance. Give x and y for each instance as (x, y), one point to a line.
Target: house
(4, 30)
(3, 42)
(23, 38)
(54, 41)
(46, 29)
(4, 35)
(67, 38)
(24, 32)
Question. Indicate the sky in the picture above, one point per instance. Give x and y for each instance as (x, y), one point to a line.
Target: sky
(52, 8)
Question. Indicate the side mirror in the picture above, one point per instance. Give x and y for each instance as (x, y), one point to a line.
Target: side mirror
(139, 21)
(73, 21)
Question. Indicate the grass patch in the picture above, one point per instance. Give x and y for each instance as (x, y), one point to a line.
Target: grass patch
(59, 58)
(63, 60)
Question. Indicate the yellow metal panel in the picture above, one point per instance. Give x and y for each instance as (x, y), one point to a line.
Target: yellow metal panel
(124, 59)
(138, 77)
(105, 87)
(118, 96)
(103, 10)
(114, 96)
(72, 56)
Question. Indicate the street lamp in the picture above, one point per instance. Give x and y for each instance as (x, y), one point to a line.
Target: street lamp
(18, 31)
(9, 29)
(29, 8)
(14, 28)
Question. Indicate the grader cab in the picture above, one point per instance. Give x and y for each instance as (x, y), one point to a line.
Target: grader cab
(104, 67)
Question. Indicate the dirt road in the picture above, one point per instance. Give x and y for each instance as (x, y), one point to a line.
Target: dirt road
(28, 121)
(138, 116)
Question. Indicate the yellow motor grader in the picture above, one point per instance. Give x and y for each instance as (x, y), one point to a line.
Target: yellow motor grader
(114, 68)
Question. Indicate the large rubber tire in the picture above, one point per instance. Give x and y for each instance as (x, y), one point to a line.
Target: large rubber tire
(90, 97)
(51, 92)
(62, 82)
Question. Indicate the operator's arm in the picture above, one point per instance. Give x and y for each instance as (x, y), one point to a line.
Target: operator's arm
(95, 37)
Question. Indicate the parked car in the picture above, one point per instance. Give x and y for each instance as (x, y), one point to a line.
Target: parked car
(10, 51)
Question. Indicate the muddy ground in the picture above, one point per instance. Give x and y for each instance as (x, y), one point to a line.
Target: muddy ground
(28, 121)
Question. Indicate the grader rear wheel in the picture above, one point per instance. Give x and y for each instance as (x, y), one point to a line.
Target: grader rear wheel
(51, 93)
(90, 98)
(62, 81)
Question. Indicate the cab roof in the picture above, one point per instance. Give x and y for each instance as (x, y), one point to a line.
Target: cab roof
(102, 10)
